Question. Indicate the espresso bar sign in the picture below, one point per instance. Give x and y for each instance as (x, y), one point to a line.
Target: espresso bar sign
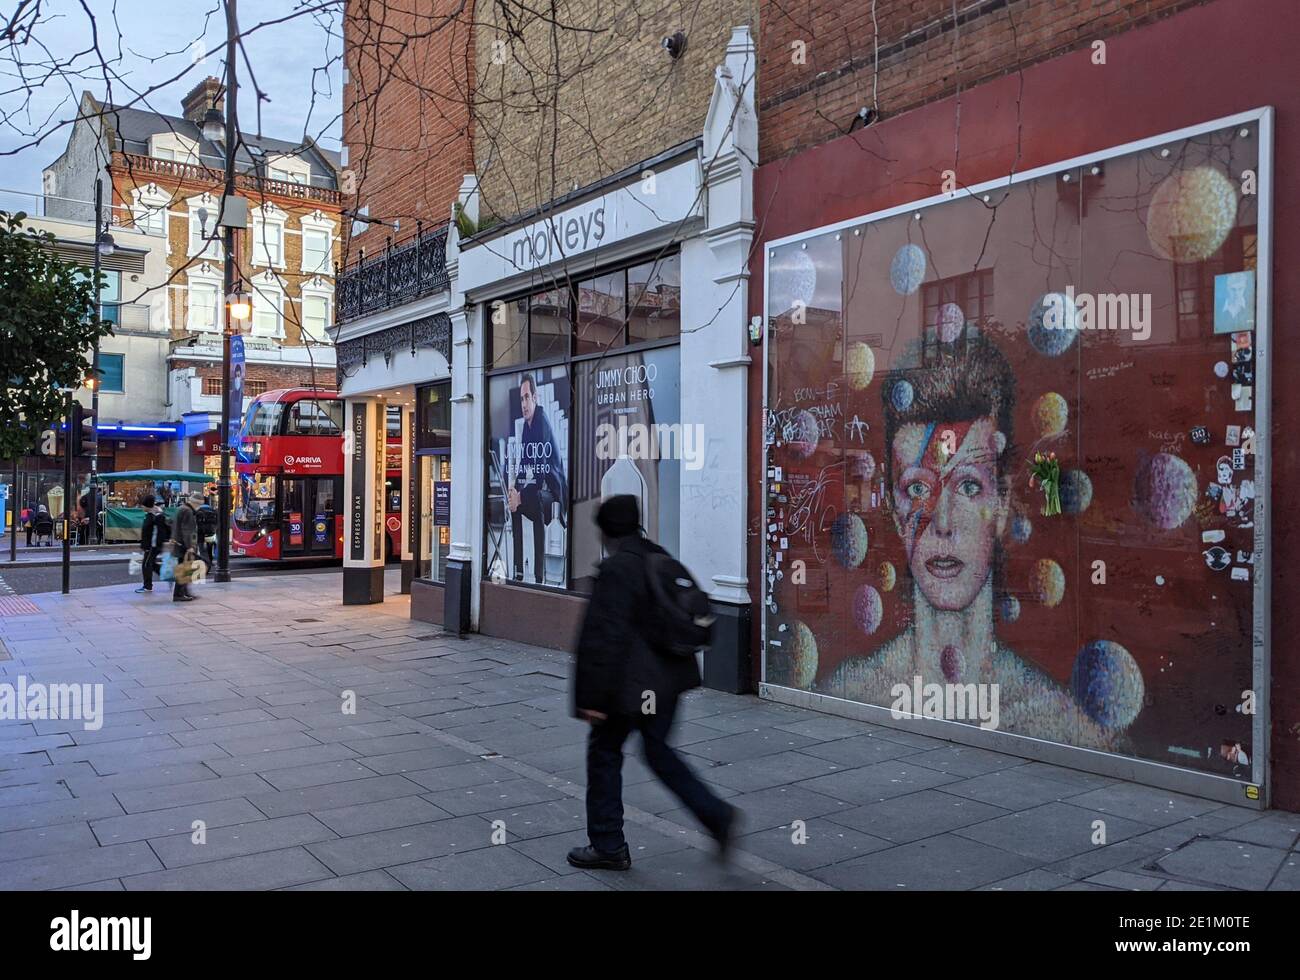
(357, 515)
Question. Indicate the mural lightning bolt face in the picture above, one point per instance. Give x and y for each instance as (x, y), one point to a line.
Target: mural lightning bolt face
(949, 511)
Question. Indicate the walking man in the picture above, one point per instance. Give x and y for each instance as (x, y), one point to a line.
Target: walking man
(153, 535)
(623, 683)
(185, 543)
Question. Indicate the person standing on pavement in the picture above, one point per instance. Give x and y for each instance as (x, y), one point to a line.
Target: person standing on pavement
(618, 675)
(185, 541)
(153, 537)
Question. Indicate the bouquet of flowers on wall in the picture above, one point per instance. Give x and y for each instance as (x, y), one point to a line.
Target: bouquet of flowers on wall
(1045, 471)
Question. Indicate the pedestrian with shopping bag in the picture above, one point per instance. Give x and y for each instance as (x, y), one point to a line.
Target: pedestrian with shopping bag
(153, 538)
(185, 544)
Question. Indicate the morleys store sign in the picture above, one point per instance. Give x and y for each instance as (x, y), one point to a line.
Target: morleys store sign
(663, 196)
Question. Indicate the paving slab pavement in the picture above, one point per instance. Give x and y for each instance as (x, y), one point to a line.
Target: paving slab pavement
(225, 758)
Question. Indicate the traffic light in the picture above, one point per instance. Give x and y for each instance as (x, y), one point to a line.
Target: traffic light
(81, 430)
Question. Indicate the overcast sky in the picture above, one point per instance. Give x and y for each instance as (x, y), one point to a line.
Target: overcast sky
(155, 40)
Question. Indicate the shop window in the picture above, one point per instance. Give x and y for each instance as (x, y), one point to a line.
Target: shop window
(528, 495)
(548, 324)
(509, 325)
(654, 299)
(602, 314)
(628, 438)
(433, 417)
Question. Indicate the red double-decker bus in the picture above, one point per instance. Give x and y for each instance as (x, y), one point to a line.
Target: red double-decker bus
(289, 461)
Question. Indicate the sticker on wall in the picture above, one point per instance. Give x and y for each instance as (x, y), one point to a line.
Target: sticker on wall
(1217, 558)
(1221, 369)
(1234, 435)
(1238, 459)
(1234, 302)
(1243, 348)
(1241, 397)
(1201, 435)
(1241, 574)
(1211, 537)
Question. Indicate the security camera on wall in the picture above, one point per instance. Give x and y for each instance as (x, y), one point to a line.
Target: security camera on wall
(675, 45)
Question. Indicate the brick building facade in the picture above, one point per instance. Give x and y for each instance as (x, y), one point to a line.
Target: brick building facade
(558, 107)
(818, 60)
(407, 124)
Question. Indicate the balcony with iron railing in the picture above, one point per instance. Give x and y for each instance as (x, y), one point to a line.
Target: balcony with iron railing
(396, 276)
(178, 171)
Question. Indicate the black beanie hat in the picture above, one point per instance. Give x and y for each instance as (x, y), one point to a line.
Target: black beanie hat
(619, 516)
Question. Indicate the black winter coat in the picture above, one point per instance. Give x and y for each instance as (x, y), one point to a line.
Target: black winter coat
(155, 532)
(186, 531)
(616, 660)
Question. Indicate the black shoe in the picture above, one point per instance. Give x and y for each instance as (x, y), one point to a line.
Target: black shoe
(182, 598)
(589, 857)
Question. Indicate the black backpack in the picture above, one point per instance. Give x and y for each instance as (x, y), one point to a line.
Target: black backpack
(680, 607)
(205, 519)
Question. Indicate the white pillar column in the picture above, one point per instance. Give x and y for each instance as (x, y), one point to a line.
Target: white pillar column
(410, 499)
(464, 556)
(363, 490)
(716, 362)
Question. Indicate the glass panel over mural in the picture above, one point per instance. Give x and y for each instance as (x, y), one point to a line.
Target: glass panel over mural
(917, 368)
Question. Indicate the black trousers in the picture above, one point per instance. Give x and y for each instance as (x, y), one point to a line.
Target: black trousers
(529, 507)
(147, 566)
(605, 775)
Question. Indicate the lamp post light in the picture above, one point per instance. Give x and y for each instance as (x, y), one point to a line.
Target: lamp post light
(104, 247)
(230, 131)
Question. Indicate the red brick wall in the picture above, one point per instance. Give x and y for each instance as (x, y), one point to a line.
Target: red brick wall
(274, 376)
(802, 105)
(1210, 60)
(406, 119)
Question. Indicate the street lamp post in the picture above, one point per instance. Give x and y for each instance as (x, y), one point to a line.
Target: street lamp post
(104, 246)
(222, 571)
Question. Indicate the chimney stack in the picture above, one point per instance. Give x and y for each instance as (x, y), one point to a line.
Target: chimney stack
(207, 94)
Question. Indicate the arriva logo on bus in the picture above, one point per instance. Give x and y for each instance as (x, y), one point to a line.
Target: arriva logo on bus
(291, 460)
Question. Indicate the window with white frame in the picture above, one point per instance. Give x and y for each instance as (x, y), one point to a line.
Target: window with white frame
(315, 316)
(268, 236)
(287, 167)
(149, 207)
(315, 250)
(202, 301)
(268, 310)
(173, 146)
(204, 235)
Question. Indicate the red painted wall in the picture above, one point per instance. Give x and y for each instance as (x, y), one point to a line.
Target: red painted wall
(1203, 63)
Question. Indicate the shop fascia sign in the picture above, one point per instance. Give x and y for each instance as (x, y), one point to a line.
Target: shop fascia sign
(652, 201)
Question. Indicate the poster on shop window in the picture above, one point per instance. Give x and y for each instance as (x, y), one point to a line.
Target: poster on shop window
(1011, 457)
